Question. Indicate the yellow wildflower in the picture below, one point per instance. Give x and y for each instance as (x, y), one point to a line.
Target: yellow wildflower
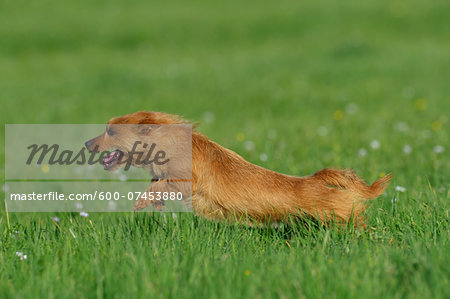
(45, 168)
(420, 104)
(436, 125)
(338, 114)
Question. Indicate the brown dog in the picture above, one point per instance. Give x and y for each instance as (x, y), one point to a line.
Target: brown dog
(225, 186)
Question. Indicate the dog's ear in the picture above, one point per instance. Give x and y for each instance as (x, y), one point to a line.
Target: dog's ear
(144, 129)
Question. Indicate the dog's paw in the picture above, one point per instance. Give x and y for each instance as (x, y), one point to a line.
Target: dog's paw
(140, 205)
(143, 203)
(158, 205)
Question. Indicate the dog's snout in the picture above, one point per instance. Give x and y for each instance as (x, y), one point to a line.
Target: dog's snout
(89, 144)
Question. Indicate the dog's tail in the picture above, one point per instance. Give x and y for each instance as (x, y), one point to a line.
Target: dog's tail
(342, 193)
(348, 180)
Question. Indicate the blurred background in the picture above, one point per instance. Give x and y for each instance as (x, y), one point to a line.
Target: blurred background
(294, 86)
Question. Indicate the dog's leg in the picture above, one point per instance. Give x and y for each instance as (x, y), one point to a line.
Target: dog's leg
(159, 186)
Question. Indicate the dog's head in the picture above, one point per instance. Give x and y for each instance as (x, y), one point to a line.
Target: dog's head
(128, 133)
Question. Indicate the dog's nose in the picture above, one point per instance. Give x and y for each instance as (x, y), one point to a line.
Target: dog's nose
(93, 144)
(88, 144)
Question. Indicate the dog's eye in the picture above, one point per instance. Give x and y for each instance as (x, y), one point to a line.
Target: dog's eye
(110, 132)
(144, 129)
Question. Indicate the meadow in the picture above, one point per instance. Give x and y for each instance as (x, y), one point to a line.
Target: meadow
(294, 86)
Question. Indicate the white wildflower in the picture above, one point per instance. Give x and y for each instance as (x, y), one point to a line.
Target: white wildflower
(400, 189)
(322, 131)
(112, 206)
(351, 108)
(375, 144)
(401, 126)
(56, 219)
(407, 149)
(21, 255)
(263, 157)
(362, 152)
(84, 214)
(249, 145)
(123, 178)
(438, 149)
(394, 200)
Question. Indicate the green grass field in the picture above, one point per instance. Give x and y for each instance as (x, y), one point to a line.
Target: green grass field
(294, 86)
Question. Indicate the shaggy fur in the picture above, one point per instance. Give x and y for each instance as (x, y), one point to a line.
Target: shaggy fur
(225, 186)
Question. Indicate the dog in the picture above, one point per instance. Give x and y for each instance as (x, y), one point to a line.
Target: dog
(227, 187)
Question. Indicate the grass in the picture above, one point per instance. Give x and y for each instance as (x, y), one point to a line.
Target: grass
(285, 76)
